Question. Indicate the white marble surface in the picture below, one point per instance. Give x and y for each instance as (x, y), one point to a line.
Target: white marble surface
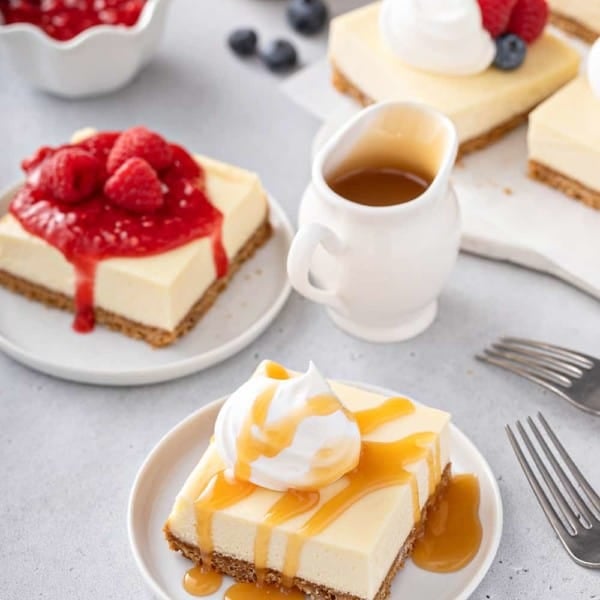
(68, 453)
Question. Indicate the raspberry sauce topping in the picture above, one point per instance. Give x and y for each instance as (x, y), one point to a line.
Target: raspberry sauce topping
(71, 201)
(65, 19)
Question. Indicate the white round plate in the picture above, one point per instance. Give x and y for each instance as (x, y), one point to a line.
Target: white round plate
(43, 339)
(168, 465)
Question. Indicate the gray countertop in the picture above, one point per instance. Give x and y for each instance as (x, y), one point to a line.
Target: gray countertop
(69, 453)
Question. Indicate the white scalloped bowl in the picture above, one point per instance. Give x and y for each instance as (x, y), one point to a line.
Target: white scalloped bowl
(99, 60)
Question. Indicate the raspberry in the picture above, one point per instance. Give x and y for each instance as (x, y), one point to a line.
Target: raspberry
(100, 144)
(35, 160)
(135, 187)
(141, 143)
(495, 15)
(184, 165)
(528, 19)
(72, 174)
(45, 180)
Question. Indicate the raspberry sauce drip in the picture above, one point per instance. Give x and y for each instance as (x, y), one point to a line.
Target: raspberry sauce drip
(65, 19)
(96, 229)
(85, 274)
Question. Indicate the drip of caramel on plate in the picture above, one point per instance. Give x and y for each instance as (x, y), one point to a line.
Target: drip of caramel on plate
(199, 581)
(249, 591)
(453, 530)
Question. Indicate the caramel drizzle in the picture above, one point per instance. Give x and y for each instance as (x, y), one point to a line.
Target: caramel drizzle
(290, 505)
(453, 530)
(372, 418)
(381, 465)
(274, 370)
(220, 493)
(199, 581)
(259, 438)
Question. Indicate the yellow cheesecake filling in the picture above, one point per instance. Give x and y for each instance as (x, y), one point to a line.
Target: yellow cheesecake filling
(564, 133)
(158, 290)
(356, 524)
(476, 103)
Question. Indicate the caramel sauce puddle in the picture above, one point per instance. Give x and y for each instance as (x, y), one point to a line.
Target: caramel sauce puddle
(453, 530)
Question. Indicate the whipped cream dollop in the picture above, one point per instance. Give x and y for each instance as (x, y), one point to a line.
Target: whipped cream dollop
(289, 433)
(593, 68)
(439, 36)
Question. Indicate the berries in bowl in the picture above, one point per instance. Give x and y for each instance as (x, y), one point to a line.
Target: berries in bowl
(78, 48)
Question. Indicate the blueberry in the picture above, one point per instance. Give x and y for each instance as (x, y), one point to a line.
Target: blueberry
(243, 42)
(280, 55)
(307, 16)
(510, 52)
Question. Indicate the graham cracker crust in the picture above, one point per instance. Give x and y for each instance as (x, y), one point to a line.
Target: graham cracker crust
(574, 27)
(345, 86)
(152, 335)
(244, 571)
(565, 184)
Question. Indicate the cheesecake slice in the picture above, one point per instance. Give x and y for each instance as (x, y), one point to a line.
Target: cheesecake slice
(564, 142)
(155, 293)
(484, 106)
(577, 17)
(342, 538)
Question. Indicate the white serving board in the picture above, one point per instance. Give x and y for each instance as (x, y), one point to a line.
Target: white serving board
(506, 215)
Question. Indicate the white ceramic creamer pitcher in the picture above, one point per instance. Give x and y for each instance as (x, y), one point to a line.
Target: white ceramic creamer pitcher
(379, 270)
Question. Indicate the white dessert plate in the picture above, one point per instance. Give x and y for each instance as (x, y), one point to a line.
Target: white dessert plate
(506, 215)
(161, 476)
(42, 338)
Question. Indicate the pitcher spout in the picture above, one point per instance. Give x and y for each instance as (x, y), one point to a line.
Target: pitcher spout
(409, 136)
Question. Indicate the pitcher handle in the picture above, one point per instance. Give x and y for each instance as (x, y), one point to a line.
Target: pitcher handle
(304, 244)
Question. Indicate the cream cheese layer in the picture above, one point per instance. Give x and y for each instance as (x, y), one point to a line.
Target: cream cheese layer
(564, 133)
(475, 103)
(156, 290)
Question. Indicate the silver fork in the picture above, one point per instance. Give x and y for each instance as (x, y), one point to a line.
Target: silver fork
(573, 376)
(579, 527)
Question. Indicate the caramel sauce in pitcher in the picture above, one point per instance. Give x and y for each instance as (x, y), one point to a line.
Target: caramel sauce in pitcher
(378, 186)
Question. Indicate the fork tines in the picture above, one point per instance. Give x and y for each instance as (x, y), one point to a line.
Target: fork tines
(553, 363)
(575, 512)
(553, 367)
